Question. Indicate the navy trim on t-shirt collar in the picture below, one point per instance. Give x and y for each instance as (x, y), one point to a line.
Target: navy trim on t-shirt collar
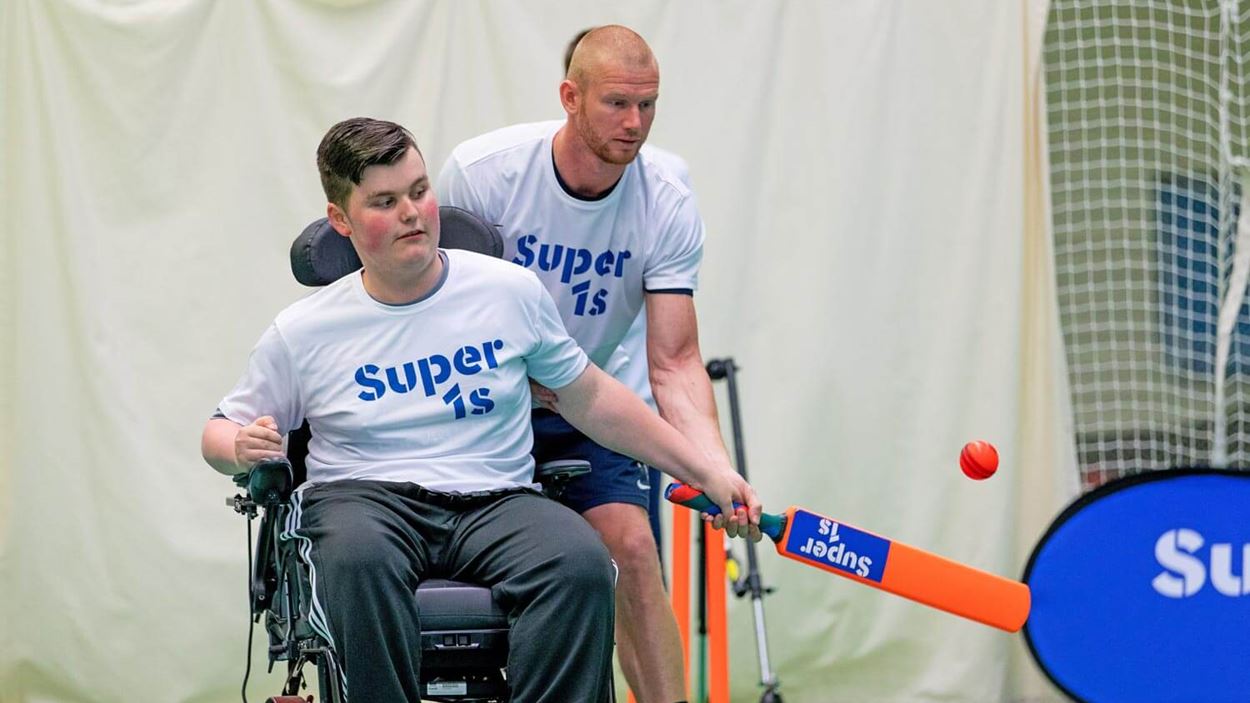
(569, 191)
(437, 286)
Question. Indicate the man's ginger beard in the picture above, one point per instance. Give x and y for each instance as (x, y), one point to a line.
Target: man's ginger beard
(600, 145)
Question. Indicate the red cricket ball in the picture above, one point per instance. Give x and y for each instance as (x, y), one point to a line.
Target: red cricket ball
(979, 460)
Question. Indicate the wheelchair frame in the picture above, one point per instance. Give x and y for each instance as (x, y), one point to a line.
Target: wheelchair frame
(460, 663)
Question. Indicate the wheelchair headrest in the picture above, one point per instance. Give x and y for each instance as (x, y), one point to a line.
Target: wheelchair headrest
(321, 256)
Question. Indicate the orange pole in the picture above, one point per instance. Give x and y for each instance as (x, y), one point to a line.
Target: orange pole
(679, 586)
(717, 618)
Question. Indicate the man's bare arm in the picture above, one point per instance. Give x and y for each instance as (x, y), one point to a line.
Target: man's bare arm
(231, 448)
(611, 415)
(679, 382)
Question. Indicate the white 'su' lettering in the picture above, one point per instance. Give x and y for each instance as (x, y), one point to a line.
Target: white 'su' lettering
(1185, 573)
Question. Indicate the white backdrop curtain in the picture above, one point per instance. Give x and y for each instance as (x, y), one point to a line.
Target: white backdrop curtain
(872, 174)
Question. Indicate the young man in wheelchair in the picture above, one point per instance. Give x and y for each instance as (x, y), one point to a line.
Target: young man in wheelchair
(413, 376)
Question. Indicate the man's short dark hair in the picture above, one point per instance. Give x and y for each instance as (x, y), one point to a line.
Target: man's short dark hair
(353, 145)
(568, 52)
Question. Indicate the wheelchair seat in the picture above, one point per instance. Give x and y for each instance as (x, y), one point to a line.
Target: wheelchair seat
(464, 632)
(464, 640)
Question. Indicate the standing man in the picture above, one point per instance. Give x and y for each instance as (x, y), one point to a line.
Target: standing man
(607, 229)
(629, 362)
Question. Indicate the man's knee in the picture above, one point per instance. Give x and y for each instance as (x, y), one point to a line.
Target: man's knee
(562, 547)
(633, 549)
(584, 561)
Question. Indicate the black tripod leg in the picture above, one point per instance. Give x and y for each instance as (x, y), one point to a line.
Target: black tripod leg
(725, 369)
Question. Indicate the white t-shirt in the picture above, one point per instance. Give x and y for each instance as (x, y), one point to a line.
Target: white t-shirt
(434, 392)
(594, 257)
(629, 362)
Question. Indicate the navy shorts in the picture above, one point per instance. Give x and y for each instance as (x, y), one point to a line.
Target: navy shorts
(613, 478)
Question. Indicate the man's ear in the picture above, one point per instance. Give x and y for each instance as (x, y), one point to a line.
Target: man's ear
(570, 97)
(338, 219)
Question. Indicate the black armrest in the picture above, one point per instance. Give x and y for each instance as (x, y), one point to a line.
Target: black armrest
(561, 470)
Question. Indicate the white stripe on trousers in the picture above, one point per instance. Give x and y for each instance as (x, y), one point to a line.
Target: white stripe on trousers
(316, 615)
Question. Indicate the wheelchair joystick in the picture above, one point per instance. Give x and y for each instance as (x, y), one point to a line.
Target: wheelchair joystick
(270, 481)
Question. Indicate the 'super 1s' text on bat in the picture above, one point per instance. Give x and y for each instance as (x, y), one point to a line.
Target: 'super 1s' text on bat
(882, 563)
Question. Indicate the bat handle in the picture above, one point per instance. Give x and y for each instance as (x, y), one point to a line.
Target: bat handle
(681, 494)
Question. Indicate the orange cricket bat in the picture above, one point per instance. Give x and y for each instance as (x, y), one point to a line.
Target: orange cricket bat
(882, 563)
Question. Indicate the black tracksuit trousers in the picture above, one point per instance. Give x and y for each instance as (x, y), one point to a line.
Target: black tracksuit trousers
(369, 543)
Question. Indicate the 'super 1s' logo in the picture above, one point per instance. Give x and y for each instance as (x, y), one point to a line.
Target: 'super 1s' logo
(431, 375)
(575, 262)
(1185, 572)
(833, 550)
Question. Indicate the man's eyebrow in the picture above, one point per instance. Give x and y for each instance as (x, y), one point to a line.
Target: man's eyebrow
(625, 96)
(424, 180)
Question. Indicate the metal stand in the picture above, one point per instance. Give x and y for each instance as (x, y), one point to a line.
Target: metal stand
(749, 582)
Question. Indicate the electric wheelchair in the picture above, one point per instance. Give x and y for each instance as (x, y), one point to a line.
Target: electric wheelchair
(464, 633)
